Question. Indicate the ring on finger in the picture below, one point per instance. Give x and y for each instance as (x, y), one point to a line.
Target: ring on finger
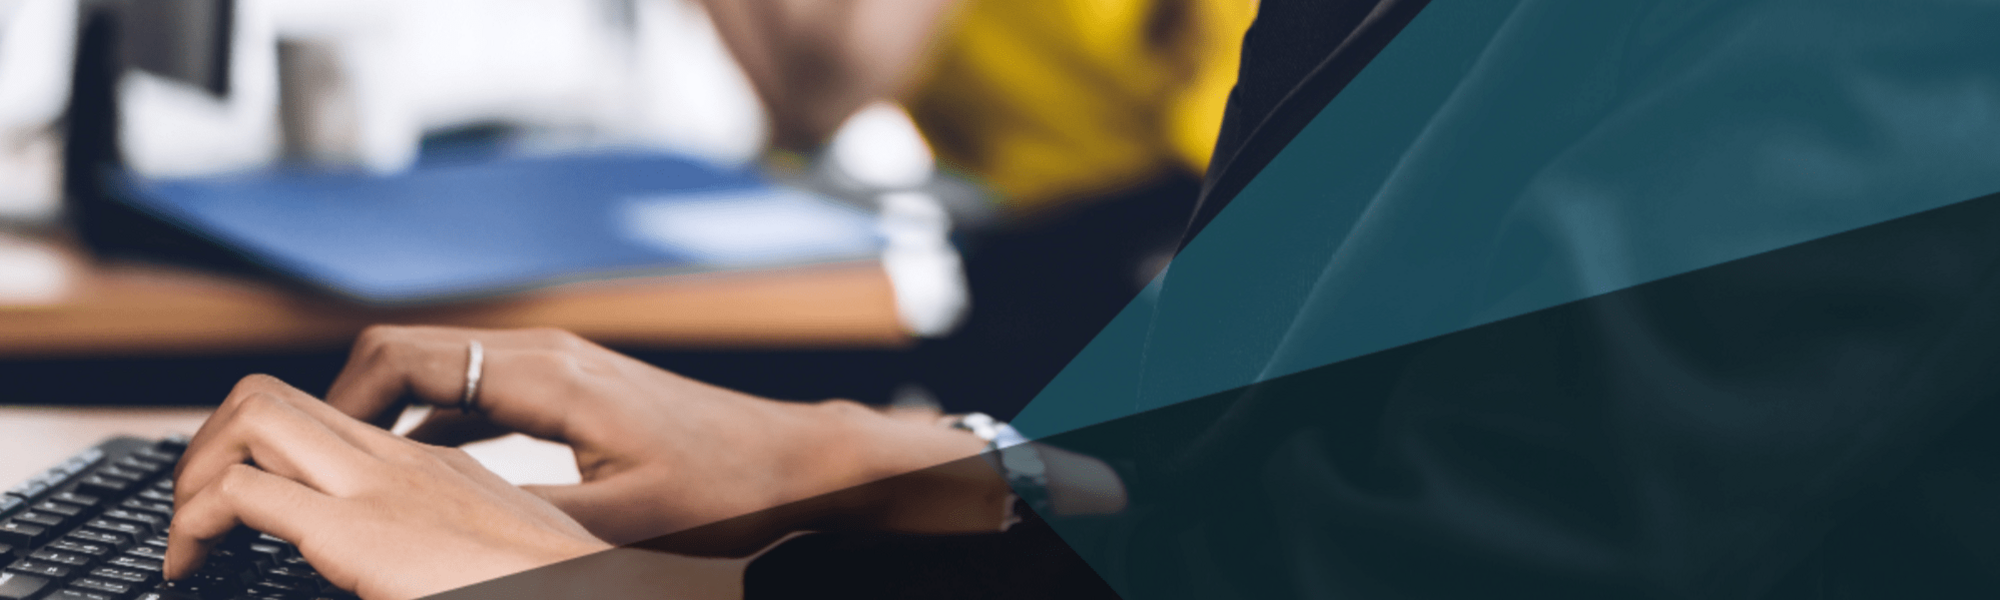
(475, 367)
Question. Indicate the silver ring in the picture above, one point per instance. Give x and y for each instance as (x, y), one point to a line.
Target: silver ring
(475, 366)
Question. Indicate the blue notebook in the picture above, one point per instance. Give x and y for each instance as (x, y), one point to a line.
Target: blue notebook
(465, 230)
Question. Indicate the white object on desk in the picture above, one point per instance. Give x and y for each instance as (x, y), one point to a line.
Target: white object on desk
(747, 227)
(522, 460)
(928, 276)
(31, 273)
(519, 459)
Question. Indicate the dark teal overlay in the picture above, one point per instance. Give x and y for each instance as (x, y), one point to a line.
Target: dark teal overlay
(1812, 422)
(1456, 239)
(1500, 157)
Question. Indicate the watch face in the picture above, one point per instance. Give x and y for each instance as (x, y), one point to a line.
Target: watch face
(979, 424)
(1023, 461)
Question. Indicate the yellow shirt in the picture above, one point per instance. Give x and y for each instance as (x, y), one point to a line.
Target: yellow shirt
(1052, 100)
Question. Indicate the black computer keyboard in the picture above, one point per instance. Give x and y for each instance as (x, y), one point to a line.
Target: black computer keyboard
(95, 528)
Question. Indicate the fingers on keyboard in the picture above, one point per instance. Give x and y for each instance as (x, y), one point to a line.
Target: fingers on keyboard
(95, 528)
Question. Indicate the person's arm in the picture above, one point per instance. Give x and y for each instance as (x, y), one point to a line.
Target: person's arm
(815, 62)
(660, 453)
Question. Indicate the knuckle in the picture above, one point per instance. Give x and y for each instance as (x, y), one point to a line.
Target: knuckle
(183, 520)
(378, 333)
(233, 480)
(390, 352)
(251, 385)
(370, 338)
(258, 405)
(255, 416)
(377, 340)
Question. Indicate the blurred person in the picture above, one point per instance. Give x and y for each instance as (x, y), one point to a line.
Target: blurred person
(1045, 103)
(1089, 121)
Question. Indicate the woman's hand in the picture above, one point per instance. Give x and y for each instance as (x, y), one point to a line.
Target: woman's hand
(384, 516)
(658, 452)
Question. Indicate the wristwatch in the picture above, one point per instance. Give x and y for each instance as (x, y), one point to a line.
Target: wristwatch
(1015, 458)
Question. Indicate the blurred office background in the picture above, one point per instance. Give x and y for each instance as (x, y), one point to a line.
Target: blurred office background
(1026, 168)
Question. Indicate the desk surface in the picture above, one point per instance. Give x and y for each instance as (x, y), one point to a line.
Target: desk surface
(36, 438)
(80, 307)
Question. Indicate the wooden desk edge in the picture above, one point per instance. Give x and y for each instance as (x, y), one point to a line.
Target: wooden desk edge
(132, 310)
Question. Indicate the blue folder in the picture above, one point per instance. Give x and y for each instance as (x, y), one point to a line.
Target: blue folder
(465, 230)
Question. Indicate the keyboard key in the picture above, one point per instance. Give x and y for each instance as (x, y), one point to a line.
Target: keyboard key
(208, 583)
(269, 553)
(100, 485)
(165, 509)
(184, 589)
(16, 586)
(80, 594)
(9, 502)
(173, 444)
(133, 531)
(60, 508)
(280, 588)
(21, 534)
(288, 572)
(41, 518)
(145, 551)
(115, 588)
(149, 522)
(154, 495)
(76, 464)
(142, 465)
(59, 557)
(151, 455)
(36, 567)
(114, 574)
(75, 546)
(29, 488)
(5, 551)
(228, 558)
(114, 540)
(75, 498)
(119, 472)
(136, 563)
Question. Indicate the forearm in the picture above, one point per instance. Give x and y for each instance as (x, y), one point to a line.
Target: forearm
(924, 477)
(918, 476)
